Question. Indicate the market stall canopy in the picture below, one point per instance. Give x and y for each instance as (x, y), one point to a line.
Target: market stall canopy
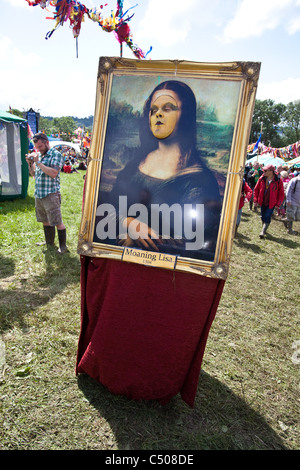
(61, 143)
(10, 117)
(294, 162)
(267, 159)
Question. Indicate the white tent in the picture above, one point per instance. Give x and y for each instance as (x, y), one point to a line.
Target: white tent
(14, 176)
(295, 161)
(267, 159)
(62, 143)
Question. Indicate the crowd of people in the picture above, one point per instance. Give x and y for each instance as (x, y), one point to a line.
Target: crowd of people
(272, 189)
(73, 162)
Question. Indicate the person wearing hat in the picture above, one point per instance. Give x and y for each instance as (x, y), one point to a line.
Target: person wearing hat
(45, 164)
(268, 194)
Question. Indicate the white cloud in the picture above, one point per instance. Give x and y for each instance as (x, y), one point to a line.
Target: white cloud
(163, 21)
(294, 24)
(5, 47)
(283, 91)
(17, 75)
(37, 90)
(10, 53)
(17, 3)
(254, 17)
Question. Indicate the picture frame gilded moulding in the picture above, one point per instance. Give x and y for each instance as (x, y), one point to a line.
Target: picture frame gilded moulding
(225, 96)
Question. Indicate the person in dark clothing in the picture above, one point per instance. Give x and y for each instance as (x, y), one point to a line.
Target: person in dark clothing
(252, 177)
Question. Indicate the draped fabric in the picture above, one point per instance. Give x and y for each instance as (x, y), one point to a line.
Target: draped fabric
(144, 329)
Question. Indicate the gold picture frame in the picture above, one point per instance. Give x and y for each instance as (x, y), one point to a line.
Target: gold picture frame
(129, 93)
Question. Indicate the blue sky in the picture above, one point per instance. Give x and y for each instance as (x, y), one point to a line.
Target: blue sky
(47, 76)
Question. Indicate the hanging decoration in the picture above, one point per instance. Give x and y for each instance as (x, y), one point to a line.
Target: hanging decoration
(75, 12)
(286, 153)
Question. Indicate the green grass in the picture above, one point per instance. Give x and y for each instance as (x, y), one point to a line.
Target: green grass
(248, 392)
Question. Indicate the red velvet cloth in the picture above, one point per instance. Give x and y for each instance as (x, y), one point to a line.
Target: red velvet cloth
(143, 329)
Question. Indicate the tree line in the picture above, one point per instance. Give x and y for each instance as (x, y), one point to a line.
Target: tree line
(278, 123)
(64, 125)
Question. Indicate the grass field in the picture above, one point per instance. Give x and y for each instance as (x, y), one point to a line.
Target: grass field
(248, 392)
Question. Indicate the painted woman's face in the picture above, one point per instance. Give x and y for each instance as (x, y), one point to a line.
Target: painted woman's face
(165, 111)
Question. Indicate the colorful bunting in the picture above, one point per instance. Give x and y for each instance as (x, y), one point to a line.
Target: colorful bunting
(74, 11)
(286, 153)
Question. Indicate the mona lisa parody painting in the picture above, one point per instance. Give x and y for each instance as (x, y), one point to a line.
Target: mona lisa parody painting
(166, 162)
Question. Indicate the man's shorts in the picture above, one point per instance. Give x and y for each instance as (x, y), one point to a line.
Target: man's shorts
(47, 209)
(293, 213)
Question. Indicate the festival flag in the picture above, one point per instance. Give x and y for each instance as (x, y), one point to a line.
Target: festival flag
(257, 142)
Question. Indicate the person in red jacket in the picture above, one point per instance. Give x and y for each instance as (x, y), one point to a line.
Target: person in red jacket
(67, 167)
(245, 194)
(268, 194)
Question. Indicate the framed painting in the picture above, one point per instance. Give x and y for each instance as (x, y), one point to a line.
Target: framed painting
(166, 162)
